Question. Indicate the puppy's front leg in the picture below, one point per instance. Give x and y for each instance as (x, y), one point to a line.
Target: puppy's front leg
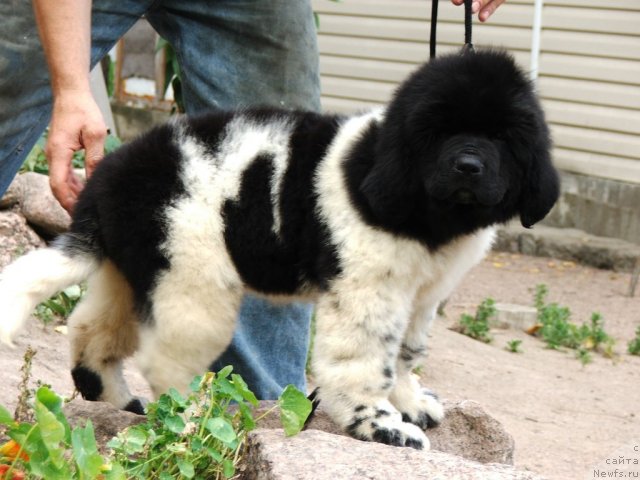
(418, 405)
(358, 337)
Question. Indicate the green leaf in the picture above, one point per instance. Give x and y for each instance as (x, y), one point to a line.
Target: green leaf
(228, 469)
(74, 292)
(135, 439)
(55, 306)
(194, 386)
(215, 454)
(53, 403)
(166, 476)
(52, 432)
(175, 423)
(5, 417)
(295, 407)
(224, 372)
(85, 450)
(225, 387)
(115, 472)
(221, 429)
(111, 143)
(186, 467)
(243, 389)
(247, 417)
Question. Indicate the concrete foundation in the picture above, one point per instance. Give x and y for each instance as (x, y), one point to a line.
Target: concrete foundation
(602, 207)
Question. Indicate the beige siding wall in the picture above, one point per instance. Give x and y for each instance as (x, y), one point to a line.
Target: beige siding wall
(589, 71)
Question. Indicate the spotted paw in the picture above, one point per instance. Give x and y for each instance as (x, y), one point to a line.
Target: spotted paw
(423, 410)
(385, 425)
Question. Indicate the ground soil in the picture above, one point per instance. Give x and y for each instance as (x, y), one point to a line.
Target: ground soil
(565, 417)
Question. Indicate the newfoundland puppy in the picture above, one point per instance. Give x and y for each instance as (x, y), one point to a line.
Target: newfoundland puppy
(374, 217)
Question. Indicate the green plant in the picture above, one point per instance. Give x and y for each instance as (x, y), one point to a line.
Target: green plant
(199, 435)
(61, 304)
(36, 161)
(477, 327)
(633, 347)
(514, 346)
(172, 74)
(558, 331)
(48, 448)
(195, 436)
(584, 356)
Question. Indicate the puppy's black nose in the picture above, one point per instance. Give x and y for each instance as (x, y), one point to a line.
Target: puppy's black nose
(468, 164)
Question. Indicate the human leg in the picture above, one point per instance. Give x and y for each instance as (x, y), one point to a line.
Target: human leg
(25, 94)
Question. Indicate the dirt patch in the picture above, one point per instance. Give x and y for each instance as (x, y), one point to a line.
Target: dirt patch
(565, 418)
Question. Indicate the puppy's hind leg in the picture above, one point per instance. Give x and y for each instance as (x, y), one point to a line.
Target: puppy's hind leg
(193, 323)
(103, 331)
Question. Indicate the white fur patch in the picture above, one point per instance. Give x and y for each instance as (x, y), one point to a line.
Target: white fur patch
(34, 278)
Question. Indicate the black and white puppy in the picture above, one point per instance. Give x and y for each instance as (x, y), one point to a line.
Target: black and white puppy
(374, 217)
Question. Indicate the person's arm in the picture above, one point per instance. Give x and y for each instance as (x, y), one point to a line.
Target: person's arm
(76, 122)
(484, 8)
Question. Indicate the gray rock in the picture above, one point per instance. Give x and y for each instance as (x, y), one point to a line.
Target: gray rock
(13, 194)
(467, 430)
(40, 207)
(106, 419)
(16, 237)
(316, 455)
(519, 317)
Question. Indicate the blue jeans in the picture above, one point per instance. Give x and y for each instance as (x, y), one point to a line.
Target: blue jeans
(232, 54)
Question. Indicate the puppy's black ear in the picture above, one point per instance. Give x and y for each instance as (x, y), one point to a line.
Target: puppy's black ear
(386, 189)
(541, 185)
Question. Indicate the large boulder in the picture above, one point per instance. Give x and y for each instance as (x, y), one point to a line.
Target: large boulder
(32, 194)
(317, 455)
(468, 444)
(16, 237)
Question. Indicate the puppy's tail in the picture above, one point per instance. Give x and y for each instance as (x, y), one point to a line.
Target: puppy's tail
(37, 276)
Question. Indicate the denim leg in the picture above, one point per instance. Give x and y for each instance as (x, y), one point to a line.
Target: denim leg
(25, 93)
(236, 54)
(25, 98)
(239, 54)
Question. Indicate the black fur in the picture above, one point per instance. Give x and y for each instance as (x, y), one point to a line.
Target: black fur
(301, 252)
(134, 406)
(87, 382)
(119, 209)
(403, 175)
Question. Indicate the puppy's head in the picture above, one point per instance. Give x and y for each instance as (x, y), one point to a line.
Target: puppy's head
(464, 135)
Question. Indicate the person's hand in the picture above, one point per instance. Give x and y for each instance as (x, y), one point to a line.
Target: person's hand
(484, 8)
(76, 123)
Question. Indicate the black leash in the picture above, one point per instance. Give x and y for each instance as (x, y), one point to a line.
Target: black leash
(468, 46)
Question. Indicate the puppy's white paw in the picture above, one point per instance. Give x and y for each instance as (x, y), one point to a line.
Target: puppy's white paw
(422, 408)
(386, 426)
